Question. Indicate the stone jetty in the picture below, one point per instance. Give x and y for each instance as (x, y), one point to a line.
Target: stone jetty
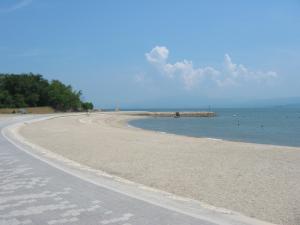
(174, 114)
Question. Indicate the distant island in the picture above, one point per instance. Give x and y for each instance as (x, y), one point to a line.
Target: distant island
(32, 90)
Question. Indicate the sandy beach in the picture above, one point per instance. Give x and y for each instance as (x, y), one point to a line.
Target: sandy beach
(261, 181)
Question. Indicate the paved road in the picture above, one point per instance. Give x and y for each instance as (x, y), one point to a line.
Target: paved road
(33, 192)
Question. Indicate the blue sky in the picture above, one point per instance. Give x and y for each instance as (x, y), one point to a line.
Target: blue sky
(157, 53)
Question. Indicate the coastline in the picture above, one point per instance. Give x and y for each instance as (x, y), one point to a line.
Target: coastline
(258, 126)
(236, 176)
(129, 125)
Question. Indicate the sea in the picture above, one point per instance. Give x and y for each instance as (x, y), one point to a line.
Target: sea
(274, 125)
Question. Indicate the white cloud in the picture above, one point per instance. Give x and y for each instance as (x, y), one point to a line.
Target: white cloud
(231, 74)
(20, 4)
(237, 73)
(158, 55)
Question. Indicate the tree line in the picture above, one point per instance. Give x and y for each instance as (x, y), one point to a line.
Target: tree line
(32, 90)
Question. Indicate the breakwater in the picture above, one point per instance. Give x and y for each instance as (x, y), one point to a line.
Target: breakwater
(174, 114)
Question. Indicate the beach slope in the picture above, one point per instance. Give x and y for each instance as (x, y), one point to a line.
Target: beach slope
(260, 181)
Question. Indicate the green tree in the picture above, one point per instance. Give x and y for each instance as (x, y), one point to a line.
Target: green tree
(19, 101)
(87, 106)
(6, 99)
(30, 90)
(63, 97)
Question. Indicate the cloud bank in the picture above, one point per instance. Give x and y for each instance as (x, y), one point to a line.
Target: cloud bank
(230, 74)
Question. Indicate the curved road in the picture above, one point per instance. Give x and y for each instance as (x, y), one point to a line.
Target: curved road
(34, 192)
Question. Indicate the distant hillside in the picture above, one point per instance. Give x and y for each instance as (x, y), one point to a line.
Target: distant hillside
(32, 90)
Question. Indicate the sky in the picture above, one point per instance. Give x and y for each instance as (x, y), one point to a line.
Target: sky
(158, 54)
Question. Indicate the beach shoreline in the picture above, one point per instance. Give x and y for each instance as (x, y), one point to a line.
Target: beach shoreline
(233, 175)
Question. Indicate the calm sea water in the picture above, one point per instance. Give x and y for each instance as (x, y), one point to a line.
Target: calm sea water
(278, 126)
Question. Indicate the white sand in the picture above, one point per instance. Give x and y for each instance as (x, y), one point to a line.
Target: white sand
(261, 181)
